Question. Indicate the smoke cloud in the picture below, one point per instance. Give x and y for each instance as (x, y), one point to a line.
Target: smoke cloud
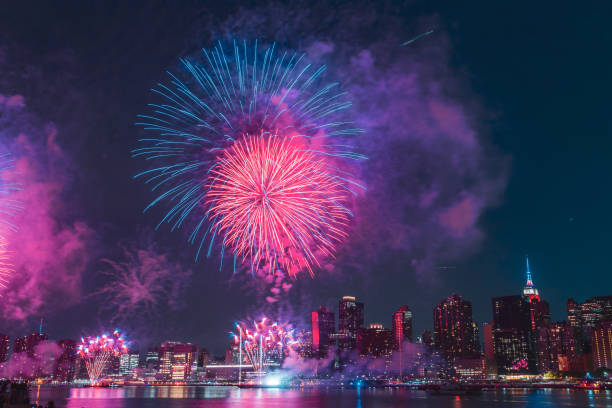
(51, 248)
(42, 363)
(430, 173)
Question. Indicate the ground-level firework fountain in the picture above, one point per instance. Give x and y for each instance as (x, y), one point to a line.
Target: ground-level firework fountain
(264, 343)
(97, 352)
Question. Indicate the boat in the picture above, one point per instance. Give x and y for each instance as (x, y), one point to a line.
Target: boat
(588, 385)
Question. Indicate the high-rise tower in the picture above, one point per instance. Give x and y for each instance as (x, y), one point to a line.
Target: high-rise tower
(402, 326)
(350, 320)
(530, 290)
(539, 309)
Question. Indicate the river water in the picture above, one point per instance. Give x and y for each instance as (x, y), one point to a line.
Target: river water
(200, 396)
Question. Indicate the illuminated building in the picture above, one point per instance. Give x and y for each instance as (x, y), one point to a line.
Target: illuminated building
(375, 341)
(470, 367)
(454, 329)
(5, 347)
(65, 365)
(203, 357)
(176, 360)
(426, 339)
(574, 313)
(402, 326)
(513, 340)
(350, 320)
(558, 348)
(27, 344)
(127, 363)
(585, 316)
(487, 334)
(601, 341)
(589, 313)
(152, 359)
(323, 327)
(538, 308)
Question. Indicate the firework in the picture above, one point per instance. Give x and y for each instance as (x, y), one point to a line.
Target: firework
(97, 351)
(264, 342)
(256, 155)
(9, 207)
(140, 284)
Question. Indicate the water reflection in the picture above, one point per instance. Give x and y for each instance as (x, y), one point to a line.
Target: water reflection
(220, 397)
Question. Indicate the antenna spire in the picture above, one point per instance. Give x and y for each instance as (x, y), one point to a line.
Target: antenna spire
(529, 279)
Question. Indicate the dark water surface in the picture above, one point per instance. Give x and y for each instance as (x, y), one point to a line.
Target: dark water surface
(180, 397)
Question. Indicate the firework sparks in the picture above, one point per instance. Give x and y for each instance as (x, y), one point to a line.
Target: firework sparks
(276, 203)
(265, 342)
(9, 207)
(257, 155)
(97, 352)
(139, 284)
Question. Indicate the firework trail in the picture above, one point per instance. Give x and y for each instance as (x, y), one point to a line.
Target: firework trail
(416, 38)
(265, 341)
(257, 154)
(140, 284)
(97, 351)
(9, 207)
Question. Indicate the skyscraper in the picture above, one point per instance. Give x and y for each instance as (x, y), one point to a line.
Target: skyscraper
(65, 365)
(375, 341)
(453, 330)
(513, 340)
(177, 360)
(558, 349)
(589, 313)
(601, 342)
(128, 362)
(350, 320)
(487, 335)
(152, 358)
(402, 326)
(539, 309)
(323, 326)
(5, 346)
(574, 313)
(27, 344)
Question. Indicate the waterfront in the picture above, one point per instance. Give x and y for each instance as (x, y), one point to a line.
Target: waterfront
(202, 396)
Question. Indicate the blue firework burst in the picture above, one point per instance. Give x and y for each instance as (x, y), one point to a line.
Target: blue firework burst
(227, 94)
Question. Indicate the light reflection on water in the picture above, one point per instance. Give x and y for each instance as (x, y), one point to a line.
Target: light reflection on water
(217, 397)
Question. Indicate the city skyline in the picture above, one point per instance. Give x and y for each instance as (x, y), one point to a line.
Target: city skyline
(325, 317)
(520, 340)
(425, 322)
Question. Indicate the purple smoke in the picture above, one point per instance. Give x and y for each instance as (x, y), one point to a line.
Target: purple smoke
(51, 248)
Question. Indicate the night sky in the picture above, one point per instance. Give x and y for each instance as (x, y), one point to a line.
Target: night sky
(487, 140)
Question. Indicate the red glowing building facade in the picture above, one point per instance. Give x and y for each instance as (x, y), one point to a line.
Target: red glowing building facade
(323, 327)
(402, 326)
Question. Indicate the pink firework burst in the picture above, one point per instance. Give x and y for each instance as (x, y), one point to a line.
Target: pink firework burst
(277, 204)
